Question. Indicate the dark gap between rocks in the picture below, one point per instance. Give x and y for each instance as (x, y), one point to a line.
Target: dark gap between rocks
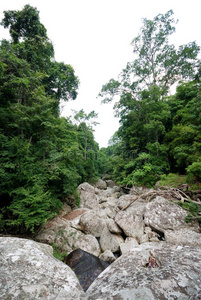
(161, 235)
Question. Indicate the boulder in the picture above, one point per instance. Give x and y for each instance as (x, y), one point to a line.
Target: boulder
(88, 198)
(106, 176)
(124, 200)
(74, 217)
(66, 238)
(28, 270)
(92, 224)
(131, 222)
(75, 214)
(139, 190)
(129, 245)
(50, 230)
(88, 243)
(184, 236)
(104, 195)
(110, 183)
(110, 241)
(196, 296)
(110, 210)
(66, 209)
(175, 274)
(117, 189)
(101, 184)
(86, 266)
(113, 227)
(55, 224)
(46, 236)
(151, 236)
(107, 256)
(161, 214)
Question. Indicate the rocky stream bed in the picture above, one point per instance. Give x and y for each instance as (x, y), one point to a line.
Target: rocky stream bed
(129, 246)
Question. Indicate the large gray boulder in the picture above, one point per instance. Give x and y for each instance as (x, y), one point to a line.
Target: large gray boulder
(52, 230)
(183, 236)
(92, 223)
(65, 237)
(101, 184)
(124, 200)
(131, 220)
(129, 245)
(88, 243)
(161, 214)
(74, 217)
(176, 274)
(88, 198)
(110, 241)
(28, 270)
(110, 183)
(107, 256)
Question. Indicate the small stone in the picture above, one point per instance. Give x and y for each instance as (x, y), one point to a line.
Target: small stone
(113, 227)
(107, 256)
(110, 241)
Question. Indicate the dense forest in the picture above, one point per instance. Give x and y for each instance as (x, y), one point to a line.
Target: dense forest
(44, 157)
(159, 133)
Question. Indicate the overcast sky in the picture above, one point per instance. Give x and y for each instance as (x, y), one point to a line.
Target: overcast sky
(94, 37)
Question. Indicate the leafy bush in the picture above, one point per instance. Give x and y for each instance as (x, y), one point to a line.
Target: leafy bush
(146, 176)
(193, 210)
(172, 180)
(194, 171)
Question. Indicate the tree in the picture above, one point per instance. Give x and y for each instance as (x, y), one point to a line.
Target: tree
(24, 24)
(156, 64)
(89, 147)
(141, 100)
(41, 154)
(31, 43)
(183, 136)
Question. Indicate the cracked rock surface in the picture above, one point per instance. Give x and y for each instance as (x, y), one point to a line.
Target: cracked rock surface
(176, 276)
(28, 270)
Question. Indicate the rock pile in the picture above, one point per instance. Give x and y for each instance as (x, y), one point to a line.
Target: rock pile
(153, 252)
(100, 225)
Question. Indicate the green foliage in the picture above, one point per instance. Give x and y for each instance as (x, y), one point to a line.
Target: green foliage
(43, 158)
(24, 23)
(58, 254)
(194, 170)
(158, 133)
(157, 64)
(172, 180)
(193, 209)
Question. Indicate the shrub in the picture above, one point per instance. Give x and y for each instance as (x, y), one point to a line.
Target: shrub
(194, 171)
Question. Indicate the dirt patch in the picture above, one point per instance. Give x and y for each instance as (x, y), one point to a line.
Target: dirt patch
(74, 214)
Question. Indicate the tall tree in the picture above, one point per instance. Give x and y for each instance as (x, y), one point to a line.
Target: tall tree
(156, 63)
(31, 43)
(41, 157)
(140, 95)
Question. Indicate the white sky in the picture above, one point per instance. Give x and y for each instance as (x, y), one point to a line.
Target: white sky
(94, 37)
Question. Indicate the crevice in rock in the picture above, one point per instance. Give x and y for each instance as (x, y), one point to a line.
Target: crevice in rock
(117, 254)
(161, 235)
(124, 236)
